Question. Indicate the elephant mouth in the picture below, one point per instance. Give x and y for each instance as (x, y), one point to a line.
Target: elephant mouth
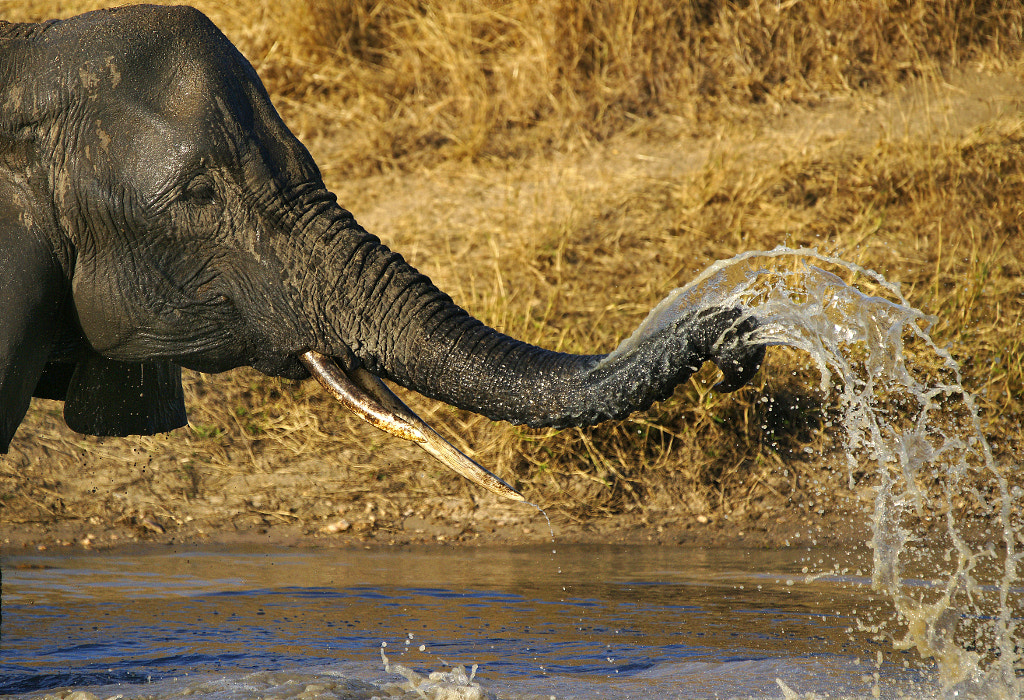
(371, 400)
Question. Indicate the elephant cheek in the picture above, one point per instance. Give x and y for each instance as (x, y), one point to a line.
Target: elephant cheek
(100, 315)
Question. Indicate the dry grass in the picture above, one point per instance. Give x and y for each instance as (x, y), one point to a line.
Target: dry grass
(943, 219)
(408, 83)
(564, 229)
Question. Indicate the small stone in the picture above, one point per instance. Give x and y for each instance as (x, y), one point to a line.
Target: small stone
(336, 526)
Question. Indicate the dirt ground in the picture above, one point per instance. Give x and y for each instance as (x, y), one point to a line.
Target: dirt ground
(58, 489)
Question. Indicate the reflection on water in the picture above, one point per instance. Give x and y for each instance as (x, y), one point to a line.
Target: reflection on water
(585, 621)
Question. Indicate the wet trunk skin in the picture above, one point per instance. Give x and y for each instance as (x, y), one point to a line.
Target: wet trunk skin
(401, 327)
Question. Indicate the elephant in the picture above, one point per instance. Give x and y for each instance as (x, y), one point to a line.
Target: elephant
(156, 213)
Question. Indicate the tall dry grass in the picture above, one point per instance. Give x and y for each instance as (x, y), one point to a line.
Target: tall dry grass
(945, 220)
(406, 83)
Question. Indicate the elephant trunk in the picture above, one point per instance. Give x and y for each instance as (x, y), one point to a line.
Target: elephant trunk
(369, 302)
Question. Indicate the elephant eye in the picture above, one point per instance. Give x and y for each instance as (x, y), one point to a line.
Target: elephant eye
(200, 190)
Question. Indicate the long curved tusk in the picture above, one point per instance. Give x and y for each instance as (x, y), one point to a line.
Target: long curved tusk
(352, 397)
(370, 399)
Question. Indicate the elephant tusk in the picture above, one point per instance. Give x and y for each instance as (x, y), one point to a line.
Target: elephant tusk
(352, 397)
(370, 399)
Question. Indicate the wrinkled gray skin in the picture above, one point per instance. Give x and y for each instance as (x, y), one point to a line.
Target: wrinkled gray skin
(156, 213)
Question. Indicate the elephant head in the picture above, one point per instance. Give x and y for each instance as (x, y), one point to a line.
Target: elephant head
(156, 213)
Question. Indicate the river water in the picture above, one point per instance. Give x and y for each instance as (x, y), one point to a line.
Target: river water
(541, 621)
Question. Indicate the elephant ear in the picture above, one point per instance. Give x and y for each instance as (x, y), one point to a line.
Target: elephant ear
(112, 398)
(32, 291)
(53, 384)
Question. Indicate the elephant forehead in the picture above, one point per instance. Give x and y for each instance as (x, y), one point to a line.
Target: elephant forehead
(165, 93)
(170, 59)
(156, 147)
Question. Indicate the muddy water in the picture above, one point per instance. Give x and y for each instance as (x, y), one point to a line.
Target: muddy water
(579, 622)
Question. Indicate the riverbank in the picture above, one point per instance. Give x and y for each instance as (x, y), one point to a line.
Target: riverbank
(508, 526)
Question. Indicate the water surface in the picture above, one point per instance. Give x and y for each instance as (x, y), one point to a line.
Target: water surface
(579, 622)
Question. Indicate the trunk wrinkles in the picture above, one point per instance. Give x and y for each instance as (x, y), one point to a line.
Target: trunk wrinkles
(365, 298)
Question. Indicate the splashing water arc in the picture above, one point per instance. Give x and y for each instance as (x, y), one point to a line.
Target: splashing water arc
(913, 447)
